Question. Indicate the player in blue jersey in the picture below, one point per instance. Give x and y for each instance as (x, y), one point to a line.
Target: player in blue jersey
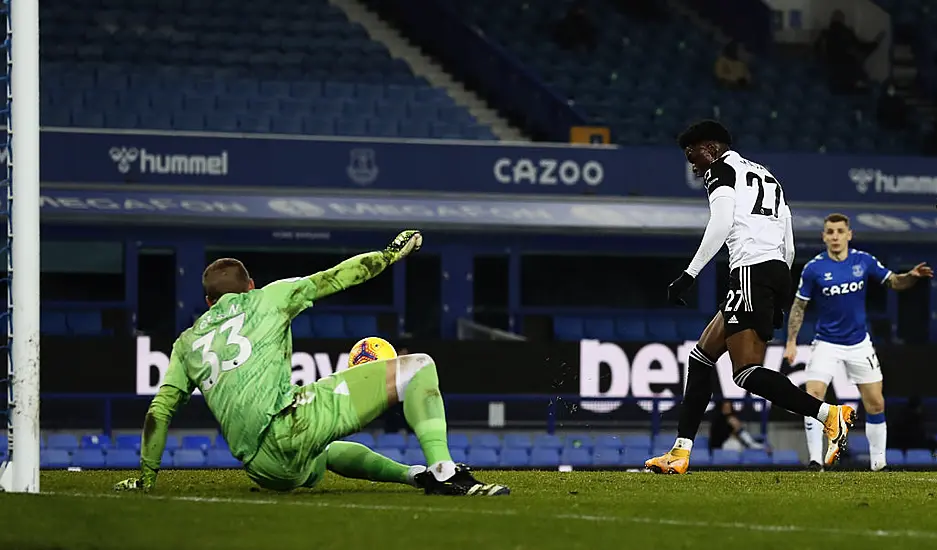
(836, 281)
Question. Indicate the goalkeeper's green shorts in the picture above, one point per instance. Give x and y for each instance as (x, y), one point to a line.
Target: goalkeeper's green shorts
(292, 450)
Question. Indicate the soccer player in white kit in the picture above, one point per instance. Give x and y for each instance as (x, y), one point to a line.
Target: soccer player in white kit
(836, 281)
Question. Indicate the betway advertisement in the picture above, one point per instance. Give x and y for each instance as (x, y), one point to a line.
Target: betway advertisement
(128, 158)
(625, 376)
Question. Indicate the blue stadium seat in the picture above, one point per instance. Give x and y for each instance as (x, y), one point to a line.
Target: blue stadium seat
(631, 329)
(690, 327)
(414, 457)
(364, 438)
(131, 442)
(663, 329)
(785, 457)
(918, 457)
(458, 454)
(514, 458)
(894, 457)
(328, 326)
(547, 441)
(599, 329)
(659, 450)
(701, 457)
(54, 458)
(88, 458)
(200, 442)
(352, 126)
(722, 457)
(95, 442)
(165, 461)
(319, 125)
(221, 458)
(286, 125)
(858, 444)
(576, 457)
(391, 440)
(172, 443)
(66, 442)
(577, 441)
(53, 323)
(359, 326)
(568, 328)
(220, 443)
(544, 457)
(85, 322)
(610, 442)
(124, 459)
(486, 441)
(302, 327)
(517, 441)
(188, 458)
(482, 457)
(413, 442)
(458, 441)
(755, 457)
(606, 456)
(637, 441)
(391, 453)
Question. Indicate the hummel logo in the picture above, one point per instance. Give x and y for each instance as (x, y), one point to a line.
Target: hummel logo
(827, 276)
(733, 320)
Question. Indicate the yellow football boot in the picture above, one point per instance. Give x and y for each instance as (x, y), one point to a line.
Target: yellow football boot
(677, 461)
(837, 426)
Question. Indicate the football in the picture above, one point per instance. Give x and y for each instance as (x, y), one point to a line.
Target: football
(370, 349)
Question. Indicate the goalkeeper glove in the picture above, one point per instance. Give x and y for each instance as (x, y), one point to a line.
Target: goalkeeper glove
(143, 483)
(678, 288)
(405, 243)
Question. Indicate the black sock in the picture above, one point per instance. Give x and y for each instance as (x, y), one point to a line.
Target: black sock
(698, 393)
(778, 389)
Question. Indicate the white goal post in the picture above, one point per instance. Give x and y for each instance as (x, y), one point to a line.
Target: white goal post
(21, 474)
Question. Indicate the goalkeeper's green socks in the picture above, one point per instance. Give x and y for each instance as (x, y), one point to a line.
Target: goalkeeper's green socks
(425, 413)
(354, 460)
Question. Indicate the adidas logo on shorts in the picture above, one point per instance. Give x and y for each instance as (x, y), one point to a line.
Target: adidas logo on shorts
(733, 320)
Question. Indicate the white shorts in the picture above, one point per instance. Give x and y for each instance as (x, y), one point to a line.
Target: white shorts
(860, 361)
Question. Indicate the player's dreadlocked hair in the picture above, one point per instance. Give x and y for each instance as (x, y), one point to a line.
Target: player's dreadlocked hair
(225, 276)
(704, 130)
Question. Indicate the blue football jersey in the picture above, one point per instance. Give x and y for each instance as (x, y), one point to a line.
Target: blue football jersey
(838, 292)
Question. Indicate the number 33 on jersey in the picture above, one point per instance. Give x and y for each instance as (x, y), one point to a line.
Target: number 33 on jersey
(761, 210)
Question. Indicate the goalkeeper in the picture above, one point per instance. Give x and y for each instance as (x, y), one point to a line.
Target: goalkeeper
(239, 355)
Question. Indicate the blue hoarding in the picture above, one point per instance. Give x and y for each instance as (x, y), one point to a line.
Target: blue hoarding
(219, 160)
(451, 212)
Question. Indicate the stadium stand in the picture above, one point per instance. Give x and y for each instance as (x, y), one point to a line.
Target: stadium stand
(482, 450)
(621, 85)
(296, 68)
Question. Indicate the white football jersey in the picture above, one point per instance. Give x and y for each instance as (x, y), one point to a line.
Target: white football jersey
(761, 210)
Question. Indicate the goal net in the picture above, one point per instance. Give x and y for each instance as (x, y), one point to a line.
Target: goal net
(19, 471)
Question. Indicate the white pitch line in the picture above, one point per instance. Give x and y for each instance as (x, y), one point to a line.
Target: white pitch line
(756, 527)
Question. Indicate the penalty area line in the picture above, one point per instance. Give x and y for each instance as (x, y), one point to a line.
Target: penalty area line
(754, 527)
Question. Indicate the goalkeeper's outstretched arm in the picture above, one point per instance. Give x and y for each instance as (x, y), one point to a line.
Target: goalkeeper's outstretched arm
(170, 397)
(295, 295)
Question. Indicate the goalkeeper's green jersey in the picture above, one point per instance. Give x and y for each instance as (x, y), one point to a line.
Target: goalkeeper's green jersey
(239, 355)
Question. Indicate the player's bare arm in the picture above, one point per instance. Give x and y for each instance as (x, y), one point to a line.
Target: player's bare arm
(905, 281)
(794, 322)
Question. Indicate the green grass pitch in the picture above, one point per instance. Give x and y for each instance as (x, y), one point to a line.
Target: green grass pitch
(588, 510)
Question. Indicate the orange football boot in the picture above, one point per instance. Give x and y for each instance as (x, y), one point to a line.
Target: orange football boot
(670, 463)
(840, 420)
